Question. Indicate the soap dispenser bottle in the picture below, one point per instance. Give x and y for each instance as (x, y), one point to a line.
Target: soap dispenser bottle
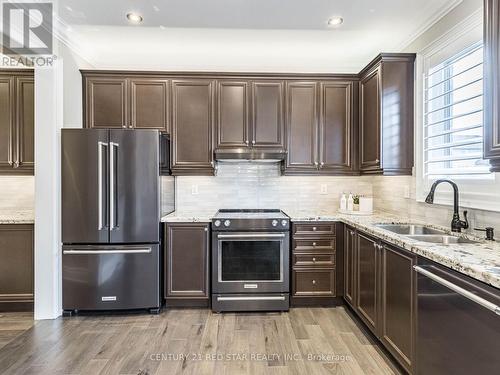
(350, 203)
(343, 202)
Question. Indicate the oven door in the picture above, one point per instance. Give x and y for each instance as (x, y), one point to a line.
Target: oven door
(256, 262)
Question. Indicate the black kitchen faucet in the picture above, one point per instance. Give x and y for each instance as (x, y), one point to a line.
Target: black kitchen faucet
(456, 224)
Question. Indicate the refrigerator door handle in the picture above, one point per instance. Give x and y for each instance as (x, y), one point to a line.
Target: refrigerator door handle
(95, 252)
(100, 178)
(113, 219)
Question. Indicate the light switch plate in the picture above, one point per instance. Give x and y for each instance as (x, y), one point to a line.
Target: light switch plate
(324, 189)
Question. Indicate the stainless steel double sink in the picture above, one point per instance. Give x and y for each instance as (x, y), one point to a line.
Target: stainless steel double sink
(425, 234)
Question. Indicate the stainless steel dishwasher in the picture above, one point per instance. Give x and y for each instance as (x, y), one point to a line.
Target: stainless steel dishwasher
(458, 323)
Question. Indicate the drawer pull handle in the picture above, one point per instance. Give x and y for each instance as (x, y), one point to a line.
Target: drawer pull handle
(314, 282)
(314, 229)
(314, 244)
(314, 259)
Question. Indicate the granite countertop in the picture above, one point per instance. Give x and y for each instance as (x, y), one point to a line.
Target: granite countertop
(17, 217)
(188, 217)
(480, 261)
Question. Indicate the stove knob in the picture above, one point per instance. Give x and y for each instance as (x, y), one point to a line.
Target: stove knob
(284, 223)
(227, 223)
(274, 223)
(217, 223)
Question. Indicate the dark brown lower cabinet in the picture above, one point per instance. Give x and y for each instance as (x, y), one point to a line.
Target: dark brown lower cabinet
(314, 260)
(397, 328)
(367, 272)
(350, 265)
(186, 264)
(16, 267)
(380, 286)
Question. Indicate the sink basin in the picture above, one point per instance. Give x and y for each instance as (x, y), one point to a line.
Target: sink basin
(410, 229)
(442, 239)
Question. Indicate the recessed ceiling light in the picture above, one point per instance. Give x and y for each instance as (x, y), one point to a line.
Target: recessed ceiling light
(335, 21)
(134, 17)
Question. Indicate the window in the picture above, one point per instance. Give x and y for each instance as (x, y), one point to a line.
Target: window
(453, 117)
(449, 118)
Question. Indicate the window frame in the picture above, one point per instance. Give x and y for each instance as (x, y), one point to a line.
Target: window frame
(478, 193)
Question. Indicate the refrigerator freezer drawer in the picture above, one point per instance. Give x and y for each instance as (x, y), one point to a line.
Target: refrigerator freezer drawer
(111, 277)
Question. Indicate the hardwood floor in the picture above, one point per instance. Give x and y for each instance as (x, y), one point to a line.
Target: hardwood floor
(303, 341)
(13, 325)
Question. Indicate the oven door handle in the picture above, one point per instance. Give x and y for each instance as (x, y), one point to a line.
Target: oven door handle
(252, 235)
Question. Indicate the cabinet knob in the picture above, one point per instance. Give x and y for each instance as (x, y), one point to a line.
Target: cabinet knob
(316, 163)
(16, 164)
(206, 229)
(314, 259)
(314, 282)
(314, 229)
(322, 164)
(246, 142)
(253, 142)
(314, 244)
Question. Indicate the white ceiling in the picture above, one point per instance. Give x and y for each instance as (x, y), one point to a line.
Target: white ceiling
(238, 35)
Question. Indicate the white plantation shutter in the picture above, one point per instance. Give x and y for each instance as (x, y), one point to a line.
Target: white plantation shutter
(453, 116)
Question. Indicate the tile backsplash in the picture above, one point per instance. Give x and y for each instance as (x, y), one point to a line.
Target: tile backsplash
(260, 185)
(17, 193)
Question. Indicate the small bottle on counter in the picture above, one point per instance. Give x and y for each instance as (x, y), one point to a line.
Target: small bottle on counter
(350, 203)
(343, 202)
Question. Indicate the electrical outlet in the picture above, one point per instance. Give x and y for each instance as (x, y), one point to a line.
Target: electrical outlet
(407, 192)
(324, 189)
(194, 189)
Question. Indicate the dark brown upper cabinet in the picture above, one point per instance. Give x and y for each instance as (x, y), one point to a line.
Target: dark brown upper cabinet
(268, 129)
(337, 127)
(250, 114)
(233, 102)
(17, 122)
(187, 264)
(386, 115)
(491, 83)
(148, 103)
(192, 127)
(302, 127)
(120, 101)
(320, 126)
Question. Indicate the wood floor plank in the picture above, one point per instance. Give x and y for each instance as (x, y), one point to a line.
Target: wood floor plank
(193, 341)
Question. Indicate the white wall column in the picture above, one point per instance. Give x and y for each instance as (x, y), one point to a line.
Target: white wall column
(48, 124)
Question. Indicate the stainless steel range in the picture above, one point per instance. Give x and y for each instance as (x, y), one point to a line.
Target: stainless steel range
(250, 260)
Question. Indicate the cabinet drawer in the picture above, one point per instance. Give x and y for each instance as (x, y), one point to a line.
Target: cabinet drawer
(314, 260)
(316, 229)
(314, 244)
(314, 282)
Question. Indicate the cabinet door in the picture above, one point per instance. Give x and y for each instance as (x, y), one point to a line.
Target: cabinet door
(302, 127)
(192, 127)
(366, 280)
(148, 103)
(398, 291)
(186, 261)
(336, 127)
(16, 267)
(370, 121)
(350, 266)
(25, 129)
(7, 120)
(313, 282)
(267, 114)
(232, 114)
(106, 102)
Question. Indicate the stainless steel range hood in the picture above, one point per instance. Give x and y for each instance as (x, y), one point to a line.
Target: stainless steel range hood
(243, 153)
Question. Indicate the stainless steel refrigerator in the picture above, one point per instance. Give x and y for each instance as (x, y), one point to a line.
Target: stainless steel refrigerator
(111, 189)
